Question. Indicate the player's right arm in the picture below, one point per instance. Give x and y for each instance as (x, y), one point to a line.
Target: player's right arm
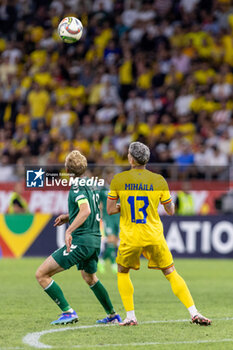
(61, 219)
(113, 207)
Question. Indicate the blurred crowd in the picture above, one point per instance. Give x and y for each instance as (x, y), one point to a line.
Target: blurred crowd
(157, 71)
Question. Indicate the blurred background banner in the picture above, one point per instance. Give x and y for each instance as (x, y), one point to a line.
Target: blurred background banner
(19, 232)
(187, 236)
(200, 236)
(55, 202)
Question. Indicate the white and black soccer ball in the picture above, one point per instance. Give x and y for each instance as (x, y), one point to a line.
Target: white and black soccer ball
(70, 30)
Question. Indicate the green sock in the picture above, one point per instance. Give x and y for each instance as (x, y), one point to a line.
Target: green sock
(103, 297)
(55, 293)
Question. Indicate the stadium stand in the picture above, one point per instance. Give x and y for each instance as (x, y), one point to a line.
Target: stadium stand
(156, 71)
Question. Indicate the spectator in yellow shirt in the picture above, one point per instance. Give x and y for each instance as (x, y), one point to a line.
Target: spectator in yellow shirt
(18, 204)
(19, 140)
(82, 144)
(204, 74)
(145, 78)
(165, 126)
(38, 100)
(197, 103)
(23, 119)
(64, 120)
(62, 93)
(126, 75)
(43, 77)
(111, 156)
(209, 104)
(186, 127)
(94, 91)
(76, 92)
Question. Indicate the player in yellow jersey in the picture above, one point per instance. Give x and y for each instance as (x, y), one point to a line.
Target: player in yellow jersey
(141, 232)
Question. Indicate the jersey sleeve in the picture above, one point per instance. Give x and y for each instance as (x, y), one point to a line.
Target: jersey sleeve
(80, 198)
(113, 193)
(165, 196)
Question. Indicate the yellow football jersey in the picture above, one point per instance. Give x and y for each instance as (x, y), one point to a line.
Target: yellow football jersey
(140, 191)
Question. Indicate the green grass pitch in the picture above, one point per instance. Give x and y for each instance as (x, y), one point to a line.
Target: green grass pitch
(25, 308)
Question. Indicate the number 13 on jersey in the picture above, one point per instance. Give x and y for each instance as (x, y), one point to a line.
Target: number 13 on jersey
(145, 203)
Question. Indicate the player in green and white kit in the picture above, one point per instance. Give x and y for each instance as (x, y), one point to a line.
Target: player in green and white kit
(111, 231)
(82, 247)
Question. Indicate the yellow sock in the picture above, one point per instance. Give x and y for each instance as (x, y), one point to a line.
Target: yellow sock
(126, 290)
(180, 289)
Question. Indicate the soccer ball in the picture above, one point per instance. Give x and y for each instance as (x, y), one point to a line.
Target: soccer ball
(70, 30)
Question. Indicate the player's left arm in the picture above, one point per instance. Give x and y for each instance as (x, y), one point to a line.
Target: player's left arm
(166, 199)
(84, 212)
(113, 207)
(170, 208)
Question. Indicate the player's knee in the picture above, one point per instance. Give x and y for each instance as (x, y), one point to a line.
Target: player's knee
(90, 279)
(39, 275)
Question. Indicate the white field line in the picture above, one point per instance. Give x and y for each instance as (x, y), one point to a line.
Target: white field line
(12, 348)
(33, 339)
(156, 343)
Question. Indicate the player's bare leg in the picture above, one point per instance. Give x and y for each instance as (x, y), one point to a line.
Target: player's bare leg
(126, 291)
(47, 269)
(43, 275)
(182, 292)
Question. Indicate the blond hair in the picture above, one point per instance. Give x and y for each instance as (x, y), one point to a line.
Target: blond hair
(76, 163)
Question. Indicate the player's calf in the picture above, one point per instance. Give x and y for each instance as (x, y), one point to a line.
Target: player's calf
(102, 295)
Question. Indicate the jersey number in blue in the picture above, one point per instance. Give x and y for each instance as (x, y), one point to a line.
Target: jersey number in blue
(131, 201)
